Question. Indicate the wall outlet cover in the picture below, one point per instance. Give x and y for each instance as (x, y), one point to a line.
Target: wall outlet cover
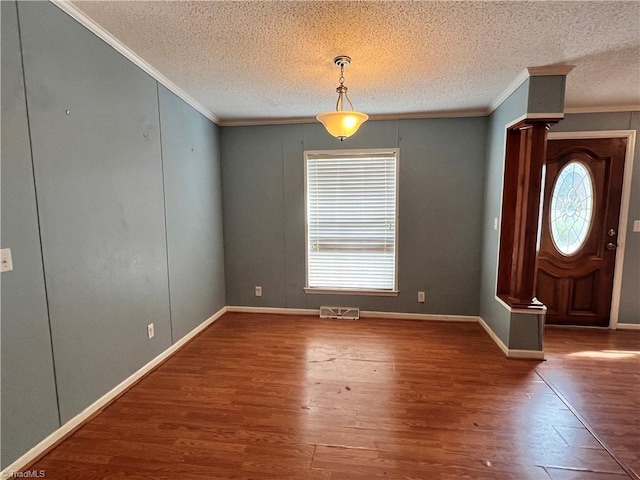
(6, 264)
(258, 291)
(150, 331)
(636, 225)
(421, 297)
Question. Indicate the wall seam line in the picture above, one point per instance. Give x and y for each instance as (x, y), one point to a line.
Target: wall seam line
(164, 212)
(35, 193)
(284, 219)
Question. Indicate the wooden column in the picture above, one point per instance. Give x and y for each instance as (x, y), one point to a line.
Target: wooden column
(525, 157)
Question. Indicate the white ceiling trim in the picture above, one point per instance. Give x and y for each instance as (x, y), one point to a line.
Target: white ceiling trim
(550, 70)
(425, 115)
(391, 116)
(266, 121)
(523, 76)
(97, 29)
(67, 7)
(605, 109)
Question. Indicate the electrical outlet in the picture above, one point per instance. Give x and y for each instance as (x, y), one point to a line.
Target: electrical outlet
(258, 291)
(6, 265)
(495, 223)
(421, 297)
(636, 225)
(150, 331)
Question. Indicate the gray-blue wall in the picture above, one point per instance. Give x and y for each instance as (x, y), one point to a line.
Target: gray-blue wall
(29, 409)
(544, 94)
(114, 215)
(630, 292)
(128, 220)
(440, 210)
(193, 196)
(492, 312)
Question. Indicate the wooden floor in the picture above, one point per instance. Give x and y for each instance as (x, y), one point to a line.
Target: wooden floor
(283, 397)
(597, 371)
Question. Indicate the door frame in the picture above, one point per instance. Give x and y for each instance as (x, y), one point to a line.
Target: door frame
(630, 135)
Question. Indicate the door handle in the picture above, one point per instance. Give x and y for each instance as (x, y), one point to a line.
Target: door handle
(611, 246)
(611, 232)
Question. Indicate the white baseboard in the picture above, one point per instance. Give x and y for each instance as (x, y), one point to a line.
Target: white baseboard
(628, 326)
(274, 310)
(77, 421)
(419, 316)
(363, 314)
(511, 353)
(526, 354)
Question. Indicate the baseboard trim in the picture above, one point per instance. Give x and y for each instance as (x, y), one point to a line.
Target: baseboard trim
(628, 326)
(66, 430)
(419, 316)
(363, 314)
(274, 310)
(511, 353)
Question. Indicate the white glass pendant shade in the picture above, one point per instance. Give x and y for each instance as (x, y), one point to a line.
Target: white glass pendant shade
(342, 124)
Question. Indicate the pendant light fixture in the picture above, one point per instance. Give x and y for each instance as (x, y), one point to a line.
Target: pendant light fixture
(342, 123)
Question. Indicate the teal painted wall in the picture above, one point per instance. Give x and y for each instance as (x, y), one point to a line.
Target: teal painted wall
(193, 200)
(440, 210)
(129, 193)
(544, 94)
(492, 312)
(98, 175)
(29, 407)
(126, 209)
(630, 292)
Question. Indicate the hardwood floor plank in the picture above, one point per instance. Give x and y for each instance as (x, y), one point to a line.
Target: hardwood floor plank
(284, 397)
(598, 372)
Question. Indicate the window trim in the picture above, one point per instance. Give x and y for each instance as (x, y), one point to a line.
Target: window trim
(351, 291)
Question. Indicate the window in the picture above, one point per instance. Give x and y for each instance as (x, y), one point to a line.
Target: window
(351, 208)
(571, 208)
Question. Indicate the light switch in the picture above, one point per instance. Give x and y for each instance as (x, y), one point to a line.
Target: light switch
(636, 225)
(6, 265)
(495, 223)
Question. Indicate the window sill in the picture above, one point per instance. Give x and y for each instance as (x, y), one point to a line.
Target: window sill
(345, 291)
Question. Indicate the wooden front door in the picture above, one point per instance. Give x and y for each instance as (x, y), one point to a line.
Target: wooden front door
(579, 229)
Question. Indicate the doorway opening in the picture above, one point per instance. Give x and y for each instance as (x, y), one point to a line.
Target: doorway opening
(583, 223)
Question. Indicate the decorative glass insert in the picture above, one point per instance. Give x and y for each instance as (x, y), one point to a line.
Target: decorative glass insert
(571, 210)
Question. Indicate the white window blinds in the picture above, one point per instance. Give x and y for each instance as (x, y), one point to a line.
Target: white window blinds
(351, 220)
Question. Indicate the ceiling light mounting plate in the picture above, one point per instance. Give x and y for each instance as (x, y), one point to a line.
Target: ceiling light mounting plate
(342, 61)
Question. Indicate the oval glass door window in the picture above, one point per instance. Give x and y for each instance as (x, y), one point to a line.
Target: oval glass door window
(571, 211)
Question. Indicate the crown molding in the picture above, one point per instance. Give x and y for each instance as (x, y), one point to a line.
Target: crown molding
(70, 9)
(266, 121)
(482, 112)
(550, 70)
(603, 109)
(75, 13)
(381, 117)
(523, 76)
(512, 87)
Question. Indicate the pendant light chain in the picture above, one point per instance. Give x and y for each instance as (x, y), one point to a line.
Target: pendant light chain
(342, 90)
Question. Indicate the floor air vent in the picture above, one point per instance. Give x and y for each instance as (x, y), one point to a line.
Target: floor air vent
(347, 313)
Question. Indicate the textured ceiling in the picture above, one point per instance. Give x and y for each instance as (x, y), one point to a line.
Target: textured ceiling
(273, 60)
